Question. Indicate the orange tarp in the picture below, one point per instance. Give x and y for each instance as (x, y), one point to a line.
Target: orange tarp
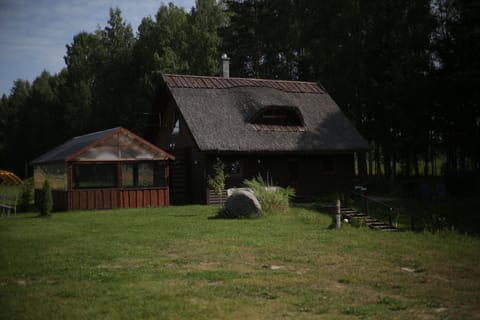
(9, 177)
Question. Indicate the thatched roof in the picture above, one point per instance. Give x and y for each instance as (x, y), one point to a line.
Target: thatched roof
(79, 147)
(219, 112)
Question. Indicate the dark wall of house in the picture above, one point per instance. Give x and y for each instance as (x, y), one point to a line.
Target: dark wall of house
(309, 175)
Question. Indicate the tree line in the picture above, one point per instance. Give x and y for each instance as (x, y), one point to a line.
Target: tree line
(402, 70)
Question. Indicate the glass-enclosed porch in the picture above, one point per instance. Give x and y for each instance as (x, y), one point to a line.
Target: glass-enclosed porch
(118, 170)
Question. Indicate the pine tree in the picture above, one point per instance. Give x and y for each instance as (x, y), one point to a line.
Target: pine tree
(46, 202)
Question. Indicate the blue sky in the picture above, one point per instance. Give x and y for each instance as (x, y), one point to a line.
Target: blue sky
(33, 33)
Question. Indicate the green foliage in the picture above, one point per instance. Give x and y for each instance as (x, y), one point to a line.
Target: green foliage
(46, 200)
(390, 65)
(26, 196)
(273, 199)
(204, 40)
(216, 182)
(357, 222)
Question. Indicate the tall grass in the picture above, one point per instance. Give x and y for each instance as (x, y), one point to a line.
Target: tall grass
(272, 198)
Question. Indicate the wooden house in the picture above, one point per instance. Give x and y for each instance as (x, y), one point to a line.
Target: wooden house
(289, 132)
(104, 170)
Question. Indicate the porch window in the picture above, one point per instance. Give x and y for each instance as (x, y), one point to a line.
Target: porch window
(143, 175)
(95, 176)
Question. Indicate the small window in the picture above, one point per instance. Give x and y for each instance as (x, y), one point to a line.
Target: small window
(233, 168)
(176, 124)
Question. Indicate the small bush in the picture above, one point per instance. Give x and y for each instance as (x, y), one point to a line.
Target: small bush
(46, 200)
(26, 196)
(272, 199)
(358, 222)
(217, 181)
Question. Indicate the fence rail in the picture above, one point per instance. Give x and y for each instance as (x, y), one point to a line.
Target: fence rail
(368, 202)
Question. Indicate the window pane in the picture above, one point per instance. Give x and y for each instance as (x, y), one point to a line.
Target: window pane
(56, 174)
(145, 175)
(176, 124)
(95, 176)
(233, 168)
(128, 175)
(160, 180)
(279, 116)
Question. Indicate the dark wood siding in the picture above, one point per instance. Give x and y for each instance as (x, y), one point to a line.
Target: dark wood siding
(118, 198)
(95, 199)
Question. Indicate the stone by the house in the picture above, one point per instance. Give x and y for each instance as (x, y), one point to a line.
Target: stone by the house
(241, 204)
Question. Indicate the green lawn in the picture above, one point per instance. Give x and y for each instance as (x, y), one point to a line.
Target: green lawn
(174, 263)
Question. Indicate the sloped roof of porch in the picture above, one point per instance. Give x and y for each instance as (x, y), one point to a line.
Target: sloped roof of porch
(78, 148)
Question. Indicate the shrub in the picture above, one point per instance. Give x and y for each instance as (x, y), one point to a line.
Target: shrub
(217, 181)
(358, 222)
(46, 200)
(26, 196)
(272, 199)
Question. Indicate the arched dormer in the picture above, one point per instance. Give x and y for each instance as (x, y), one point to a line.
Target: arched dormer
(276, 118)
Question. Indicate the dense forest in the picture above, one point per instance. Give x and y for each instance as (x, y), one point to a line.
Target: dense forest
(402, 70)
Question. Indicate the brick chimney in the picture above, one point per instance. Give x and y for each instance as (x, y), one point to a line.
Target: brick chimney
(225, 66)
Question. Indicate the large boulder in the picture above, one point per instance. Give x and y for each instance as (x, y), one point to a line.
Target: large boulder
(241, 204)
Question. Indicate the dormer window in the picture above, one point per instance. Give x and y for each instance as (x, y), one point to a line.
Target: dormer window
(278, 119)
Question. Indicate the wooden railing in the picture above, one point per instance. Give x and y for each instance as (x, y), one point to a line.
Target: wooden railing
(214, 198)
(369, 203)
(8, 203)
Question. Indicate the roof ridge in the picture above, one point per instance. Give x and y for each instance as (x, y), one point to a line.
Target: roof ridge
(210, 82)
(95, 133)
(236, 78)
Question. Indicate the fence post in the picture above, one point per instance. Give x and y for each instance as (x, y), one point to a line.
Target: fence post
(366, 205)
(337, 217)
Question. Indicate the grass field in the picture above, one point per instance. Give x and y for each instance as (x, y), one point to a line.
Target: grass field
(175, 263)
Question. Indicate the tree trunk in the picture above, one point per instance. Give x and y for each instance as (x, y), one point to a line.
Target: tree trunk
(362, 166)
(377, 161)
(451, 160)
(370, 163)
(387, 165)
(415, 164)
(425, 165)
